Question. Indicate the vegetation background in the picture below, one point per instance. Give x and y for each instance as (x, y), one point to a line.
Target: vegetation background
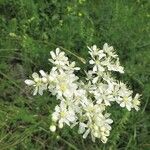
(29, 29)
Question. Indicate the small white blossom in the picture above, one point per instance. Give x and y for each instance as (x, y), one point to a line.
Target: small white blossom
(38, 83)
(126, 102)
(63, 114)
(59, 59)
(97, 66)
(115, 66)
(95, 52)
(109, 50)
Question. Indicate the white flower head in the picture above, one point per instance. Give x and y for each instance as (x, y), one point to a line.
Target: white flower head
(59, 59)
(84, 102)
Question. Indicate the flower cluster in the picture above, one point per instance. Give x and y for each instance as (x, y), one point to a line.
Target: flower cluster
(83, 103)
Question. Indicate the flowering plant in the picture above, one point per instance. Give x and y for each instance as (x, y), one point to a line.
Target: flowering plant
(84, 103)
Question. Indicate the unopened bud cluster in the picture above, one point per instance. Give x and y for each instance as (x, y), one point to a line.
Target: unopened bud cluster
(83, 103)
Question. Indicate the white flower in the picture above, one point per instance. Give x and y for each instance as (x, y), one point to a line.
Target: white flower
(93, 51)
(115, 66)
(59, 59)
(136, 102)
(96, 55)
(65, 84)
(126, 102)
(38, 83)
(123, 90)
(112, 65)
(63, 114)
(97, 65)
(85, 103)
(124, 97)
(71, 67)
(103, 94)
(95, 123)
(109, 50)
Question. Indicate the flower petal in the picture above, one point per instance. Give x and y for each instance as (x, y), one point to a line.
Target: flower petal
(35, 91)
(91, 62)
(52, 54)
(86, 133)
(95, 68)
(35, 75)
(122, 104)
(57, 51)
(42, 73)
(29, 82)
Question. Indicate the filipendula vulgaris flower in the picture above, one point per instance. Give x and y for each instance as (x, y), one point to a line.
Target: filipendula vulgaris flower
(40, 83)
(84, 103)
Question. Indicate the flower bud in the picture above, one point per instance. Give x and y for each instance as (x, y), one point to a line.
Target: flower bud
(96, 127)
(54, 118)
(95, 134)
(53, 128)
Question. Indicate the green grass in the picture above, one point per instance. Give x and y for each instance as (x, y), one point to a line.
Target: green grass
(29, 29)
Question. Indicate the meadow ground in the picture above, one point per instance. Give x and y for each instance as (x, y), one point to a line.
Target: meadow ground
(29, 29)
